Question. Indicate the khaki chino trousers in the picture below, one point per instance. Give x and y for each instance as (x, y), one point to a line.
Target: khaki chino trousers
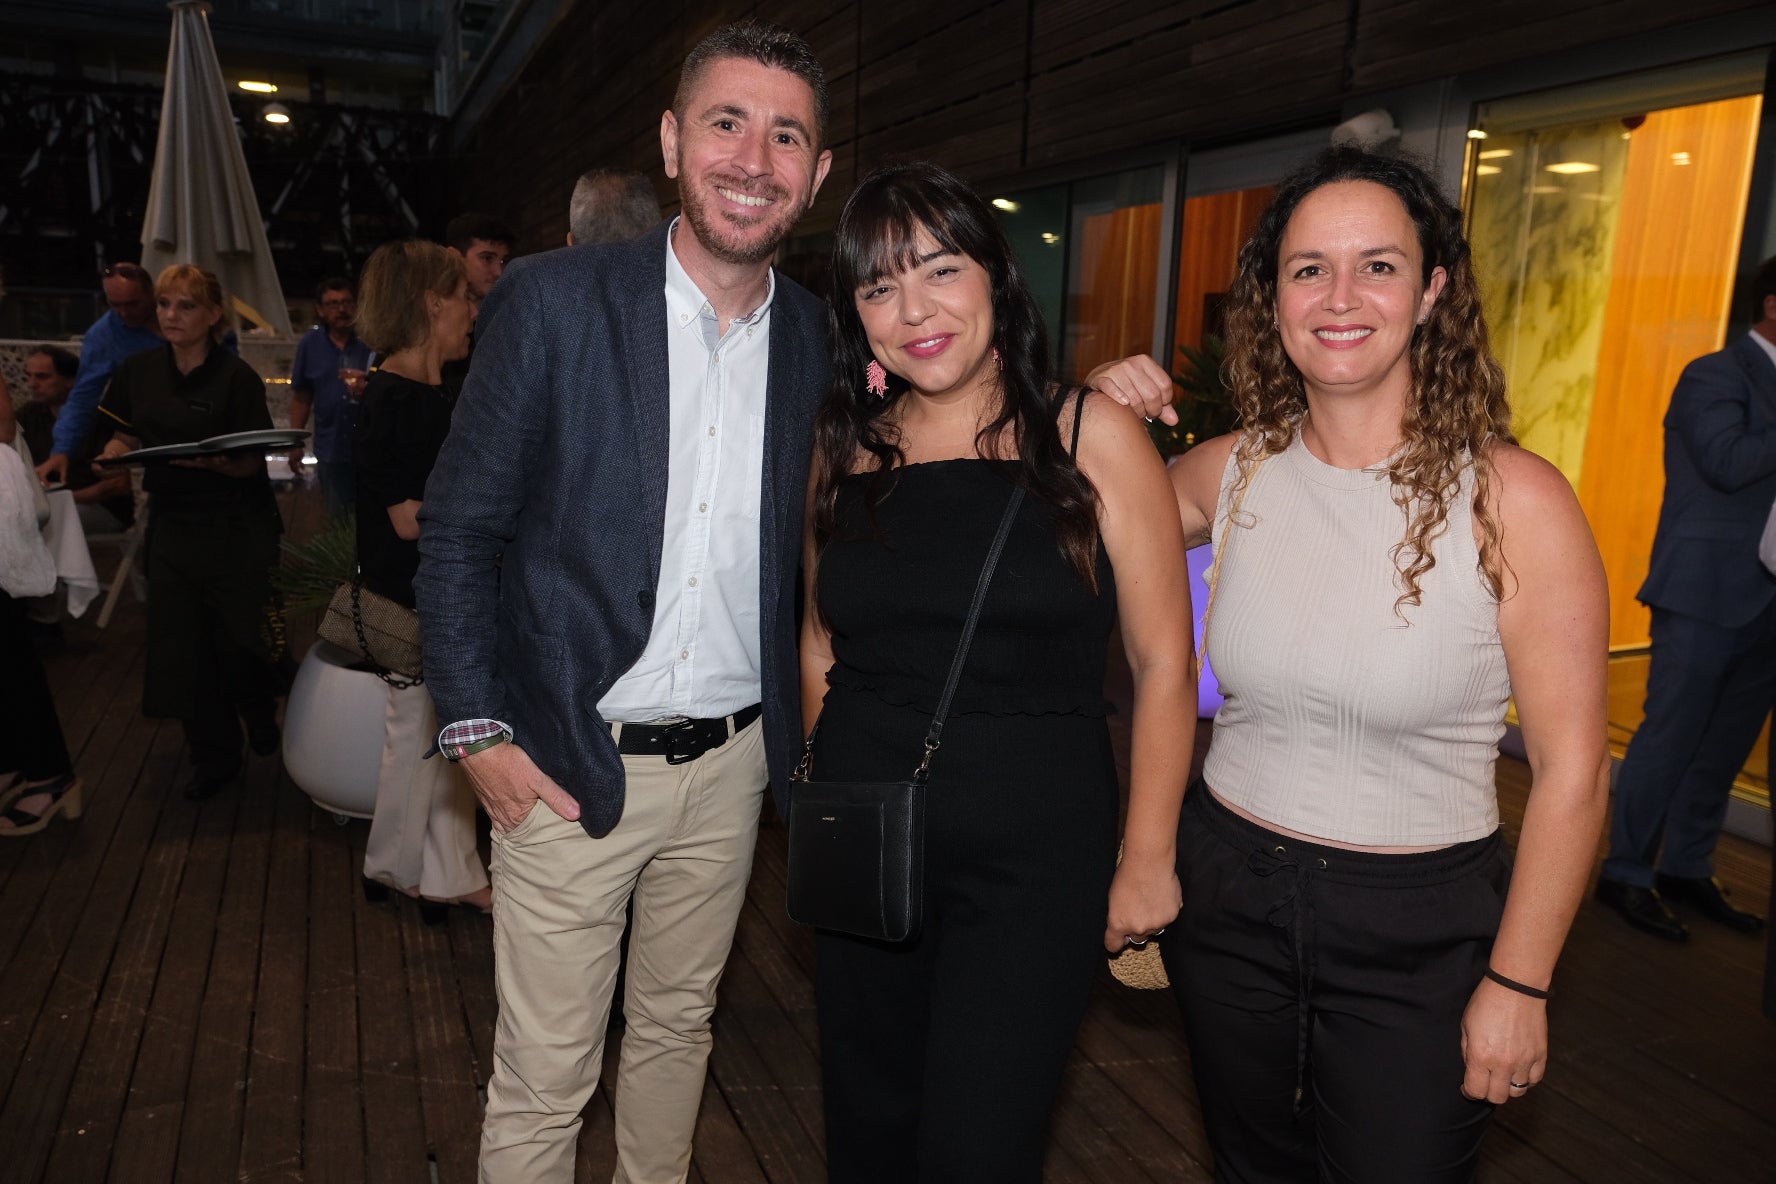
(682, 853)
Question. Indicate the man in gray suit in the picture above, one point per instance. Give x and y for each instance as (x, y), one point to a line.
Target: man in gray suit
(609, 205)
(1713, 665)
(607, 585)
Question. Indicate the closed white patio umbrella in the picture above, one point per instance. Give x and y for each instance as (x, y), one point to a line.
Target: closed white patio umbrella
(201, 206)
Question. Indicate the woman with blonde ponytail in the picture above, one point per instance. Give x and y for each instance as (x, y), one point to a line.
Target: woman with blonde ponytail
(1363, 975)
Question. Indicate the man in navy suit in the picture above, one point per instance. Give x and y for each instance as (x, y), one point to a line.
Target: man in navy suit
(1713, 665)
(607, 589)
(609, 551)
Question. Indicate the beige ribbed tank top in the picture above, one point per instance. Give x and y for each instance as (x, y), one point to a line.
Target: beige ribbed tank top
(1343, 720)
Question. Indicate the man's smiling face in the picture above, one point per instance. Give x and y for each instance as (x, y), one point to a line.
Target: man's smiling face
(746, 158)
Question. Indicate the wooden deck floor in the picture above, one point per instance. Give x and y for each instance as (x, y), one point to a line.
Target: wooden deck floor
(200, 993)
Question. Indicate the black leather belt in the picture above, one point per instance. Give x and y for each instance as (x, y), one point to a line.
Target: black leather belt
(683, 739)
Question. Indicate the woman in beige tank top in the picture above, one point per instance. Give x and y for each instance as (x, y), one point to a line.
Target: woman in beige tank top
(1358, 987)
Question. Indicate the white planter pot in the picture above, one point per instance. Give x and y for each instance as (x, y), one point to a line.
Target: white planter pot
(333, 732)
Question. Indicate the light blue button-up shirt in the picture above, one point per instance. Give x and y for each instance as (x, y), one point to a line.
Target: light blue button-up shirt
(107, 343)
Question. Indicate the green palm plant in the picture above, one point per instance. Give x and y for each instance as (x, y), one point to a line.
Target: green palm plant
(313, 568)
(1205, 409)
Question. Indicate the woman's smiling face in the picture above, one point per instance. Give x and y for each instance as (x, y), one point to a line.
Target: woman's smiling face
(931, 322)
(1349, 292)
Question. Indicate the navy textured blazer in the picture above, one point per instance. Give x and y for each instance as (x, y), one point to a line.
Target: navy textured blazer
(1720, 480)
(544, 518)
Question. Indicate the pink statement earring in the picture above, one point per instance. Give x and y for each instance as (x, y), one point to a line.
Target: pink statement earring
(875, 380)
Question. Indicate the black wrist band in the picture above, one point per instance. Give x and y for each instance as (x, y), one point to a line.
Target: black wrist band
(1514, 985)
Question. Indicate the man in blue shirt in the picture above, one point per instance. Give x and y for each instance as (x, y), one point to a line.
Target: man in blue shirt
(326, 381)
(128, 328)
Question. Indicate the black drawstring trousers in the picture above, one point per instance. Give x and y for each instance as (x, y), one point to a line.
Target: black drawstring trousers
(1323, 992)
(31, 742)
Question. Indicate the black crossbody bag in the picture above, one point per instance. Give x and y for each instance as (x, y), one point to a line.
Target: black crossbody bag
(857, 848)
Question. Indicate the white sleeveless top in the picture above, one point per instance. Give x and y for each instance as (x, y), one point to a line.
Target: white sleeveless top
(1345, 720)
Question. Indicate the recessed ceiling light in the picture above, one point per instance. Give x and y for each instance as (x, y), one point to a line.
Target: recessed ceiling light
(259, 88)
(276, 113)
(1475, 133)
(1572, 168)
(1050, 237)
(1006, 204)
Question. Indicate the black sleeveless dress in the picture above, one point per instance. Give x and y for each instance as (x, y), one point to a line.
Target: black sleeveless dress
(941, 1056)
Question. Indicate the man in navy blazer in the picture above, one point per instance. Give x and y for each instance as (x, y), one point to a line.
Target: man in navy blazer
(1713, 666)
(607, 587)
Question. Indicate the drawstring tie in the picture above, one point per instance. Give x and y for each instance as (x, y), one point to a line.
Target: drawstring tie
(1293, 910)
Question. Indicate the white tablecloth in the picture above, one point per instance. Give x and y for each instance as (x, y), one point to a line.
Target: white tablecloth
(73, 561)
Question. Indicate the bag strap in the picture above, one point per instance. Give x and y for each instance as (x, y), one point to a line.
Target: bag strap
(934, 734)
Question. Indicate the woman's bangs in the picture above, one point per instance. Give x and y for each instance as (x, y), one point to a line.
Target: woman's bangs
(194, 290)
(885, 241)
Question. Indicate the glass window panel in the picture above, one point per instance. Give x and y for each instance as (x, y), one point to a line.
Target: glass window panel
(1606, 244)
(1215, 225)
(1112, 268)
(1545, 213)
(1606, 253)
(1035, 221)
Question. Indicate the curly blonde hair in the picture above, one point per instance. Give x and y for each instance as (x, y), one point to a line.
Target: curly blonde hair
(1457, 404)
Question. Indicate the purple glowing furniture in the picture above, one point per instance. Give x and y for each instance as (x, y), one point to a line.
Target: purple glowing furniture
(1208, 691)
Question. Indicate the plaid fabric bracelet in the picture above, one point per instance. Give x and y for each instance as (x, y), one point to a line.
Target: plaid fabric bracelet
(469, 736)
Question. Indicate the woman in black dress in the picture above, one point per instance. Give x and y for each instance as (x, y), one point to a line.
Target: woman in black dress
(414, 310)
(215, 656)
(941, 1056)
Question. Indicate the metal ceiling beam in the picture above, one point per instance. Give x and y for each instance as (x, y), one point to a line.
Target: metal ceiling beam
(525, 26)
(273, 36)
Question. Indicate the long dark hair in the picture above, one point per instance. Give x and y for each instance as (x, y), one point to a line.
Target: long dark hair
(878, 235)
(1457, 404)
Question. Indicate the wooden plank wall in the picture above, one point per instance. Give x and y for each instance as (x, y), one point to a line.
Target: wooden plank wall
(995, 88)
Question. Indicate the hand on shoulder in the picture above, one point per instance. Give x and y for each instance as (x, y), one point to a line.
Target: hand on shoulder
(1135, 512)
(1115, 451)
(1140, 383)
(1108, 426)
